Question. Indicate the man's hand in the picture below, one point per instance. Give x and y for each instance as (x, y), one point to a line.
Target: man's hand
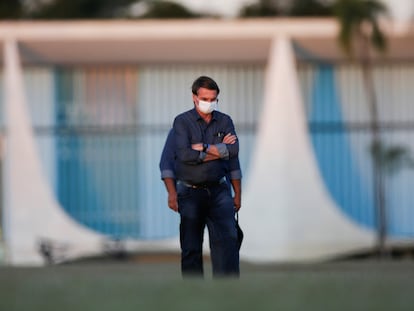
(229, 139)
(237, 188)
(197, 147)
(172, 193)
(172, 201)
(237, 202)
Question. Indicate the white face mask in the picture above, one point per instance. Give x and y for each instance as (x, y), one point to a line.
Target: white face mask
(207, 107)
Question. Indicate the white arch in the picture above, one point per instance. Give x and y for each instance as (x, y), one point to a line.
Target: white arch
(31, 211)
(287, 213)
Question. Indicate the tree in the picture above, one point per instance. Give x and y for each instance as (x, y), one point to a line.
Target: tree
(78, 9)
(167, 9)
(10, 9)
(302, 8)
(359, 34)
(307, 8)
(263, 8)
(104, 9)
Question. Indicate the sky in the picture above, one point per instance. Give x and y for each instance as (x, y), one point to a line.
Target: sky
(228, 8)
(402, 10)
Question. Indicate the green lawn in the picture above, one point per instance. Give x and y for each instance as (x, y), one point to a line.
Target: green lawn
(357, 285)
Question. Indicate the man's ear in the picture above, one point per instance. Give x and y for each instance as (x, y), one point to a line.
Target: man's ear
(194, 98)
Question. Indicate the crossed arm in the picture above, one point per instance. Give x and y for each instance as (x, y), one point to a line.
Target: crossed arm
(212, 153)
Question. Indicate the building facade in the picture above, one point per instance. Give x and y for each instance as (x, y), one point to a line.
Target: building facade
(87, 106)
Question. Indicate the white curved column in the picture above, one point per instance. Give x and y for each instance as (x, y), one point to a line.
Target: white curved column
(287, 213)
(31, 210)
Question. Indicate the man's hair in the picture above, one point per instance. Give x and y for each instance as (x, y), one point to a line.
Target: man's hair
(204, 82)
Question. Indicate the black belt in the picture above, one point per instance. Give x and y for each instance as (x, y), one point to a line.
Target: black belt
(203, 185)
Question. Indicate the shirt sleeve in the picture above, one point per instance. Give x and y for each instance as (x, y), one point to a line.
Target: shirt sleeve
(184, 151)
(233, 149)
(234, 168)
(167, 162)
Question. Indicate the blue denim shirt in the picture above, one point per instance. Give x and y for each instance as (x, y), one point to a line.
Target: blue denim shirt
(168, 157)
(167, 162)
(194, 170)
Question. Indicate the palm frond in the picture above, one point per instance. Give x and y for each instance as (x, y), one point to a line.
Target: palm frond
(378, 39)
(353, 15)
(391, 158)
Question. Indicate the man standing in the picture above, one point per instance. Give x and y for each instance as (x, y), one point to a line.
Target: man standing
(205, 144)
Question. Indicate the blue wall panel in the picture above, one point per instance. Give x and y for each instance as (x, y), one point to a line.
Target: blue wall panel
(333, 151)
(97, 176)
(339, 126)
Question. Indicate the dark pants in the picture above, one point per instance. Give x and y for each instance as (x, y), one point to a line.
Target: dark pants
(212, 206)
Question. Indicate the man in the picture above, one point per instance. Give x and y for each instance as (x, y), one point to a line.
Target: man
(167, 168)
(206, 150)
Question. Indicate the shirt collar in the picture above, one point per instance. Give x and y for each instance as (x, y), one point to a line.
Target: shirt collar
(196, 116)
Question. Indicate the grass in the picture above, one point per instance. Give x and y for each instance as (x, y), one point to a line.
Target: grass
(355, 285)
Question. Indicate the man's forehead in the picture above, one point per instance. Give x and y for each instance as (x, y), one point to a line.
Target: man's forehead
(206, 92)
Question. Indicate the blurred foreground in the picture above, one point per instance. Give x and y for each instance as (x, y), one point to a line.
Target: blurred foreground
(149, 284)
